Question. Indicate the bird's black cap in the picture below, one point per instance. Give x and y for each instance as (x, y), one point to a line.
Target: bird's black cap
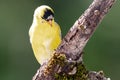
(48, 13)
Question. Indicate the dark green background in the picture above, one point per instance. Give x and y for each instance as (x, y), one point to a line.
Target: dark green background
(17, 61)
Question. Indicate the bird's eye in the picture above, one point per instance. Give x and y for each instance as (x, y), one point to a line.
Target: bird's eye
(49, 19)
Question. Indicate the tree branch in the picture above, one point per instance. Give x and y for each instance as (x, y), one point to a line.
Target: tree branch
(67, 62)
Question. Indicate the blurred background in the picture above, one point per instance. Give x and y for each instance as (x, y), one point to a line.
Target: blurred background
(17, 61)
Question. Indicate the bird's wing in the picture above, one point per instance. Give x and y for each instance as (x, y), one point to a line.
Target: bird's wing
(58, 26)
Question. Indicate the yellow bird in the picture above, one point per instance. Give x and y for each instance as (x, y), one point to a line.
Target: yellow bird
(45, 33)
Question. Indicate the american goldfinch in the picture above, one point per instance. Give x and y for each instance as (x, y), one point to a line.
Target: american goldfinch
(45, 33)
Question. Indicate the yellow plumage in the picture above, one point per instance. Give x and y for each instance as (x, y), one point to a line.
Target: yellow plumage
(45, 33)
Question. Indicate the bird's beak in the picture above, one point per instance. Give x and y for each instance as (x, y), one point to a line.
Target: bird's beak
(50, 19)
(50, 22)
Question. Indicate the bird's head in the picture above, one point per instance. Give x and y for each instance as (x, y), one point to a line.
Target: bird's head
(44, 14)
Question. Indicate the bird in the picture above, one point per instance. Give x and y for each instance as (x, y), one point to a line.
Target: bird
(44, 33)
